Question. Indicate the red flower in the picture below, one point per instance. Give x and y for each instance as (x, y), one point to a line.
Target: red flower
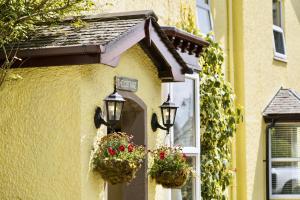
(121, 148)
(162, 155)
(111, 151)
(130, 148)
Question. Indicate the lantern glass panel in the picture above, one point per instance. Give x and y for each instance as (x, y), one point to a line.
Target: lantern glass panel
(119, 106)
(172, 115)
(166, 116)
(111, 110)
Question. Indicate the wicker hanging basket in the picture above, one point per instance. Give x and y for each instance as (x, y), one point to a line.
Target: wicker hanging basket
(117, 159)
(170, 167)
(172, 179)
(117, 171)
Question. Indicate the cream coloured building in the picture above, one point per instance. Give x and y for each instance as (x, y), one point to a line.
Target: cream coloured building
(262, 55)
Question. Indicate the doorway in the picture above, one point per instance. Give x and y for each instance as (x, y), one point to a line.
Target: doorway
(133, 122)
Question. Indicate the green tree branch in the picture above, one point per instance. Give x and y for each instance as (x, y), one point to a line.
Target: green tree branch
(18, 19)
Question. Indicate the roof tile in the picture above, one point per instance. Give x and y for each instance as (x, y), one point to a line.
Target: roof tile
(286, 101)
(94, 32)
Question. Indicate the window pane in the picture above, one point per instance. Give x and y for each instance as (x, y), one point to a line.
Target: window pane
(204, 22)
(184, 127)
(284, 142)
(188, 191)
(276, 13)
(279, 43)
(285, 177)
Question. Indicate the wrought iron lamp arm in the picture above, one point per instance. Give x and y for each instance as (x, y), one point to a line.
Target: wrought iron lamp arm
(155, 124)
(98, 119)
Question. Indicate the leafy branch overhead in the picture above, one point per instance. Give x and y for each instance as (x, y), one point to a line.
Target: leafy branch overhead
(18, 19)
(219, 116)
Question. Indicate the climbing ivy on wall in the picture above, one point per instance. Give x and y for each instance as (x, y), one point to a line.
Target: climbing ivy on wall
(219, 116)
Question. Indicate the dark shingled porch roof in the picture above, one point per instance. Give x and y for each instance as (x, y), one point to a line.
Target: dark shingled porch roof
(103, 38)
(95, 30)
(285, 104)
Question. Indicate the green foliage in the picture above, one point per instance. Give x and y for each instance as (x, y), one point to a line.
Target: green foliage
(219, 119)
(18, 17)
(170, 167)
(116, 158)
(118, 146)
(168, 159)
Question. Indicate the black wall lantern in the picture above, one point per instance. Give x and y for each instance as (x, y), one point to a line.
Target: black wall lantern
(168, 112)
(114, 105)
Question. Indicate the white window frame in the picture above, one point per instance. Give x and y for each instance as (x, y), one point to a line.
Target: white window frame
(279, 196)
(279, 56)
(199, 3)
(191, 151)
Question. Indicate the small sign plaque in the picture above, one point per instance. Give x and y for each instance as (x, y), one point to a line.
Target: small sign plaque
(127, 84)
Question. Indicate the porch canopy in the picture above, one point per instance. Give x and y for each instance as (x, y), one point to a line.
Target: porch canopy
(103, 38)
(284, 107)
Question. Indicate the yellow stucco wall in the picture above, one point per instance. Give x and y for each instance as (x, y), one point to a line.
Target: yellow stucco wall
(258, 77)
(244, 28)
(47, 129)
(39, 135)
(168, 11)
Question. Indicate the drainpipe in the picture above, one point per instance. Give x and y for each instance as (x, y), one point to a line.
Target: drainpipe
(269, 126)
(230, 61)
(230, 77)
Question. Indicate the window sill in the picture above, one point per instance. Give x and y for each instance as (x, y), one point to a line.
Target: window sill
(280, 197)
(284, 60)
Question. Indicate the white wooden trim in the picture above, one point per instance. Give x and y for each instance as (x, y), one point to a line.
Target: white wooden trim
(280, 56)
(192, 151)
(278, 196)
(202, 5)
(285, 159)
(276, 54)
(270, 164)
(285, 196)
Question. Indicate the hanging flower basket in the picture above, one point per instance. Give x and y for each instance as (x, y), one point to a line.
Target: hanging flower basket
(117, 159)
(170, 168)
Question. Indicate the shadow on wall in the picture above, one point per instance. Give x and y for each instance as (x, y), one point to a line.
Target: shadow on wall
(259, 190)
(279, 63)
(296, 6)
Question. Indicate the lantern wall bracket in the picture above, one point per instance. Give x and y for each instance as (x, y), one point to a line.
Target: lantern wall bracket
(155, 124)
(98, 119)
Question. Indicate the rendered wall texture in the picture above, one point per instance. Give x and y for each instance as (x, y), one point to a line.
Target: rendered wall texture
(96, 84)
(39, 135)
(244, 29)
(47, 129)
(259, 77)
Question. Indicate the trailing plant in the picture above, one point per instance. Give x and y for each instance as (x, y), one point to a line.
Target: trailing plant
(116, 158)
(218, 113)
(170, 168)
